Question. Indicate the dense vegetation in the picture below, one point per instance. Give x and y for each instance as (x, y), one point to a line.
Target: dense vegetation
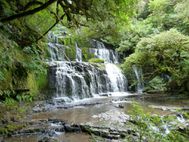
(25, 23)
(154, 39)
(159, 45)
(152, 35)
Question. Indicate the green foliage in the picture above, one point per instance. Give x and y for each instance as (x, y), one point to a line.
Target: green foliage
(157, 84)
(130, 37)
(182, 9)
(152, 127)
(17, 65)
(10, 113)
(158, 5)
(86, 54)
(96, 60)
(164, 53)
(70, 53)
(10, 128)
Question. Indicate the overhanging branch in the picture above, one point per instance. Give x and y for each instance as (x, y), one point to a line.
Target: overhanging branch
(29, 12)
(57, 21)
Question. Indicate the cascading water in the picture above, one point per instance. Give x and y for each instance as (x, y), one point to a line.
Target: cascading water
(77, 80)
(78, 53)
(138, 74)
(101, 52)
(117, 79)
(56, 50)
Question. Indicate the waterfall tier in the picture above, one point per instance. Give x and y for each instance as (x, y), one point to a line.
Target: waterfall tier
(82, 80)
(77, 79)
(56, 51)
(101, 52)
(138, 74)
(78, 53)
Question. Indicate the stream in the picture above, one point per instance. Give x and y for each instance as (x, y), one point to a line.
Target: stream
(111, 112)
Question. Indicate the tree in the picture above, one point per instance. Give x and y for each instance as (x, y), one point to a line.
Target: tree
(164, 55)
(71, 12)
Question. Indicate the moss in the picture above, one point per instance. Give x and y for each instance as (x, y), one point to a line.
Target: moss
(41, 80)
(31, 84)
(86, 54)
(96, 60)
(36, 83)
(70, 53)
(10, 116)
(21, 68)
(11, 127)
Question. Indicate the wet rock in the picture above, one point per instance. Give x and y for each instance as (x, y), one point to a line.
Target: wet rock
(1, 139)
(51, 133)
(13, 119)
(184, 128)
(32, 131)
(44, 139)
(4, 121)
(169, 108)
(72, 128)
(106, 132)
(60, 129)
(56, 121)
(104, 94)
(47, 139)
(113, 116)
(119, 106)
(37, 109)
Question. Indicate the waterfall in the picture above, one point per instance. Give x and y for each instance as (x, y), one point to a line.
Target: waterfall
(78, 80)
(55, 49)
(101, 52)
(138, 74)
(78, 53)
(117, 79)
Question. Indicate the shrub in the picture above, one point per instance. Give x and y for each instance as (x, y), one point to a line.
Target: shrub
(165, 53)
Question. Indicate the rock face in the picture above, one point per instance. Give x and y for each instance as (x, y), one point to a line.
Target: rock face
(82, 80)
(48, 130)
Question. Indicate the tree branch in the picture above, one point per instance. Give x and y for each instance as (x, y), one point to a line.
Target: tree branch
(29, 4)
(51, 27)
(29, 12)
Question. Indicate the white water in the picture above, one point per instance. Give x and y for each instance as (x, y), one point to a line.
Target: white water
(56, 51)
(78, 53)
(117, 79)
(79, 80)
(180, 118)
(101, 52)
(138, 74)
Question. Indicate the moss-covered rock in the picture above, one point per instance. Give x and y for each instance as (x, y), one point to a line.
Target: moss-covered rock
(96, 60)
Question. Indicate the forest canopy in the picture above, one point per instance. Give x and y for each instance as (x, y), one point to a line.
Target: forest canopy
(44, 15)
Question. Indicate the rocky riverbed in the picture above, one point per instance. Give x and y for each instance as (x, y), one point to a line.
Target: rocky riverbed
(107, 120)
